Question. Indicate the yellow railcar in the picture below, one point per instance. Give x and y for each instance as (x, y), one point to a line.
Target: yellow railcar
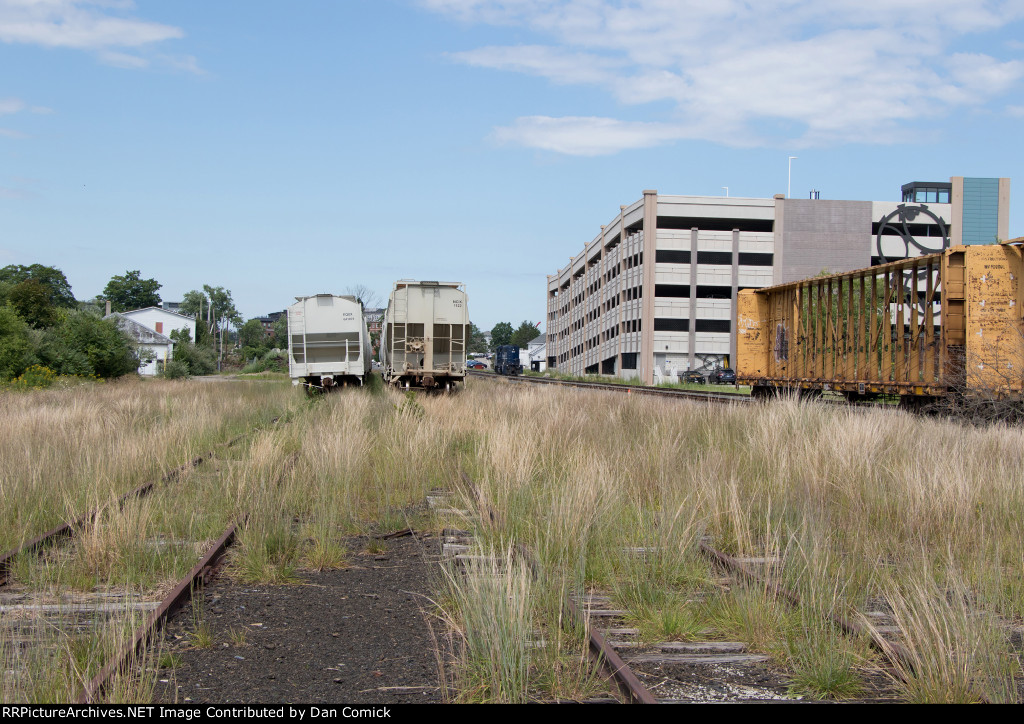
(921, 328)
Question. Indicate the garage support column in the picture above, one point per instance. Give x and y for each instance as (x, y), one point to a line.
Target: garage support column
(692, 323)
(621, 293)
(735, 283)
(646, 362)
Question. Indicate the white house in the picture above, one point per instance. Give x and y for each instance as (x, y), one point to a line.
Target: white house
(536, 351)
(151, 327)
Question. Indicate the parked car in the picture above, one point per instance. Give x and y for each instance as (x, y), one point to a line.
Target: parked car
(724, 377)
(695, 377)
(475, 364)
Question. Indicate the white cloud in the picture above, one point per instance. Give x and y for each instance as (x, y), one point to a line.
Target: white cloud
(82, 24)
(104, 27)
(835, 72)
(586, 136)
(122, 60)
(187, 63)
(16, 105)
(11, 105)
(552, 63)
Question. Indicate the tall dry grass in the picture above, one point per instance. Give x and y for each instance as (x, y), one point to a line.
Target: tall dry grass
(852, 501)
(860, 507)
(65, 452)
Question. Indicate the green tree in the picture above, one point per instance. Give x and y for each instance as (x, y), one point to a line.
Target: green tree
(281, 332)
(33, 302)
(215, 313)
(84, 344)
(501, 335)
(477, 340)
(524, 334)
(130, 291)
(212, 308)
(252, 339)
(15, 353)
(180, 336)
(195, 360)
(50, 277)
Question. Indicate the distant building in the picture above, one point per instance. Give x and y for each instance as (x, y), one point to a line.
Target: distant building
(268, 322)
(374, 319)
(151, 328)
(656, 288)
(536, 354)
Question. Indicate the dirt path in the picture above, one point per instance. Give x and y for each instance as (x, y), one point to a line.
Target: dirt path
(356, 635)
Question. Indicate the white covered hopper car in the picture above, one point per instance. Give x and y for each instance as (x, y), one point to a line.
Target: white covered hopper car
(328, 345)
(424, 338)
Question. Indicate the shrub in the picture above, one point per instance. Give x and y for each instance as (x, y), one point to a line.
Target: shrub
(14, 344)
(197, 359)
(175, 369)
(84, 344)
(36, 376)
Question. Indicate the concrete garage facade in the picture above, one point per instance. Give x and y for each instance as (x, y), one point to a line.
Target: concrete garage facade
(654, 293)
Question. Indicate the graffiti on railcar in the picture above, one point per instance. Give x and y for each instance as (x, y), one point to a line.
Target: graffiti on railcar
(781, 343)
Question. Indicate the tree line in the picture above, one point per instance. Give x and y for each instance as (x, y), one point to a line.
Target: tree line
(501, 334)
(42, 324)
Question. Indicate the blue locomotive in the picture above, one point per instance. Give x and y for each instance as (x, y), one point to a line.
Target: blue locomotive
(506, 360)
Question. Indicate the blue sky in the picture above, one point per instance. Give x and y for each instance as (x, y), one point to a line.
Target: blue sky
(281, 149)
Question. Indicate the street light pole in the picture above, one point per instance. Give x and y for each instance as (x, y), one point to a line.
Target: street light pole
(789, 181)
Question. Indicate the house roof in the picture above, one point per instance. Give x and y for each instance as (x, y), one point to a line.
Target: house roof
(159, 309)
(139, 332)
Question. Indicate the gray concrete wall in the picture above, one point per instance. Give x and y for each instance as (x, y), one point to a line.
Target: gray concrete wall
(813, 235)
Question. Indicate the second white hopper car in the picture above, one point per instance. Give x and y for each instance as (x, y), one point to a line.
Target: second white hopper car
(426, 327)
(328, 345)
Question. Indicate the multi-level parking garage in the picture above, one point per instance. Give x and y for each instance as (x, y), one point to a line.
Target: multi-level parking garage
(657, 287)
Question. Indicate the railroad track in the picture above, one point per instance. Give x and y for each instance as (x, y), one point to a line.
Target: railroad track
(701, 395)
(680, 671)
(695, 395)
(134, 650)
(669, 672)
(66, 531)
(59, 627)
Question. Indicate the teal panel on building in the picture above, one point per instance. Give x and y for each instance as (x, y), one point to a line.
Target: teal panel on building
(981, 210)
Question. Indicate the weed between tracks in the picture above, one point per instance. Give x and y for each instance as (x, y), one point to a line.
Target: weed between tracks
(63, 454)
(610, 493)
(615, 493)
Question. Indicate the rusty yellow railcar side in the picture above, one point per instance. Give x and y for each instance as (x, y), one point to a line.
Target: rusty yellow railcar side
(918, 327)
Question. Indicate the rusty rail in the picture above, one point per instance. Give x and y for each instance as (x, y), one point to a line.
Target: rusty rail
(703, 396)
(611, 664)
(607, 659)
(182, 593)
(848, 627)
(67, 530)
